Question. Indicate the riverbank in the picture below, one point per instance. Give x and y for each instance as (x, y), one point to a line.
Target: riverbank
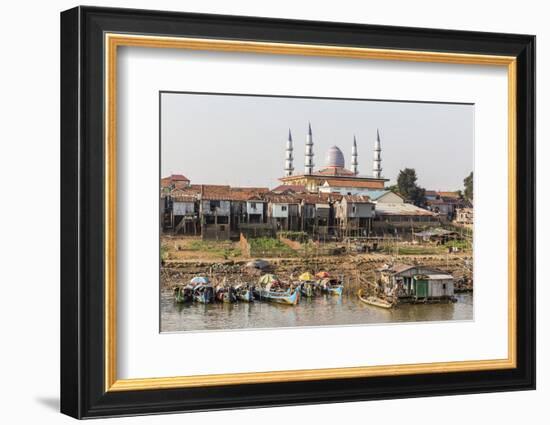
(353, 269)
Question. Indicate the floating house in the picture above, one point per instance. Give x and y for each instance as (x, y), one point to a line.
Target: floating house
(433, 286)
(415, 282)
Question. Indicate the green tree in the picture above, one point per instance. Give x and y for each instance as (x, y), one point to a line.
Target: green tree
(393, 188)
(469, 187)
(407, 187)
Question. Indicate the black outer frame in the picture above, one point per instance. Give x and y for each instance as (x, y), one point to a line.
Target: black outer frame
(82, 219)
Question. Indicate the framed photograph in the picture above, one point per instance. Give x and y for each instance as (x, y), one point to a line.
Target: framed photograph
(261, 212)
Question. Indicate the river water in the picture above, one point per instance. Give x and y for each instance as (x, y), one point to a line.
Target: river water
(318, 311)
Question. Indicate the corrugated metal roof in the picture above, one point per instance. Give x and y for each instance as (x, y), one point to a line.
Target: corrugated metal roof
(375, 194)
(442, 276)
(436, 232)
(401, 209)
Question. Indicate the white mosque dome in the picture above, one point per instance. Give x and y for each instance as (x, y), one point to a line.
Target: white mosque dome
(335, 158)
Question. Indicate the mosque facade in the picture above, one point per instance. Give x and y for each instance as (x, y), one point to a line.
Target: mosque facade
(333, 176)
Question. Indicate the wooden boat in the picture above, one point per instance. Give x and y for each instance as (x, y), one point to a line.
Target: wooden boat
(289, 297)
(308, 289)
(375, 301)
(183, 294)
(225, 294)
(203, 294)
(244, 293)
(332, 287)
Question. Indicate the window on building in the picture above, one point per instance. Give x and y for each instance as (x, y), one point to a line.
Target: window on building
(253, 205)
(214, 205)
(209, 219)
(283, 208)
(353, 209)
(223, 219)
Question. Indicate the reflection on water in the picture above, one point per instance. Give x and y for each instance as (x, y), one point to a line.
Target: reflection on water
(318, 311)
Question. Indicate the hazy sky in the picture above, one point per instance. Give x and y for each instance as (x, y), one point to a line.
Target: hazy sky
(240, 140)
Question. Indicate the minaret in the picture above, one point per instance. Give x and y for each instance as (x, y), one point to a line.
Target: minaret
(377, 160)
(289, 168)
(354, 162)
(308, 162)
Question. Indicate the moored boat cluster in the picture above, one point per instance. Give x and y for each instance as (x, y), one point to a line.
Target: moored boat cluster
(268, 288)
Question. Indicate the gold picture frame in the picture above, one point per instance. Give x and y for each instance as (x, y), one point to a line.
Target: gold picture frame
(114, 41)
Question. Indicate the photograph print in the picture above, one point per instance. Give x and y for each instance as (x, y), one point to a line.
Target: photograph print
(284, 212)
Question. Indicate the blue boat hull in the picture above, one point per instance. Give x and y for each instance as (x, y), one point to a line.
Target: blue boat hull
(288, 297)
(337, 291)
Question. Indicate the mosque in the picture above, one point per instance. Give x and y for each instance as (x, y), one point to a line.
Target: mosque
(334, 177)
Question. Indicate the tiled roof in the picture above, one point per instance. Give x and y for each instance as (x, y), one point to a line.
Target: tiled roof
(357, 199)
(227, 193)
(173, 179)
(334, 171)
(318, 198)
(453, 195)
(351, 183)
(184, 191)
(282, 199)
(178, 177)
(400, 268)
(258, 190)
(184, 198)
(298, 188)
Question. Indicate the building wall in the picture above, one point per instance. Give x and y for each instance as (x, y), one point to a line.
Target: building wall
(259, 207)
(345, 190)
(390, 198)
(224, 208)
(279, 210)
(356, 210)
(436, 289)
(183, 208)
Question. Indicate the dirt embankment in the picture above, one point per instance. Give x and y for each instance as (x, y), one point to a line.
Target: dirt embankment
(352, 268)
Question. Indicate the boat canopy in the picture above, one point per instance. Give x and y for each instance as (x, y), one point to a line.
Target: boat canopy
(306, 276)
(322, 275)
(267, 278)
